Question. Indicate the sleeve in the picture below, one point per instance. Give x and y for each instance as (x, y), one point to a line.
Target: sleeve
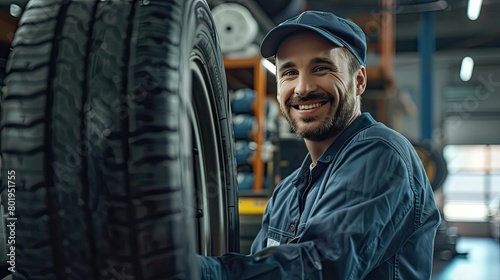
(363, 213)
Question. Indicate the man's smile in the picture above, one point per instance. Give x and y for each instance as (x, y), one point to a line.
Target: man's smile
(309, 106)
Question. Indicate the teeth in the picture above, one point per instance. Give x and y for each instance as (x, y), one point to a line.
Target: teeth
(308, 107)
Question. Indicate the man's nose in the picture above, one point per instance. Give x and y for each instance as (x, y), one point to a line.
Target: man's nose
(305, 85)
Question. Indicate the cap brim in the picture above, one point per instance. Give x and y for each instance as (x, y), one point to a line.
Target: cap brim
(272, 41)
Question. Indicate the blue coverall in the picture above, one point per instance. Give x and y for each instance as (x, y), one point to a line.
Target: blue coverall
(365, 211)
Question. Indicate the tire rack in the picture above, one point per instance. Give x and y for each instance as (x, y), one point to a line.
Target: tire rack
(259, 108)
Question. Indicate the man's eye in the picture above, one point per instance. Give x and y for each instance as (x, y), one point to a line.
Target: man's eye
(289, 73)
(320, 68)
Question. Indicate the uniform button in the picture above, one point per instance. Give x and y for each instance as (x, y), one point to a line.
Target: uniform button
(292, 227)
(328, 157)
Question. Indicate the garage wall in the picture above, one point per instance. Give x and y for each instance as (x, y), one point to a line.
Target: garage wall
(463, 112)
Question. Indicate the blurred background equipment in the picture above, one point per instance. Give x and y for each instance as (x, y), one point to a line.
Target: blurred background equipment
(241, 24)
(236, 26)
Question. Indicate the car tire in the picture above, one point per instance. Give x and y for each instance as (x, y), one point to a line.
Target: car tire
(116, 124)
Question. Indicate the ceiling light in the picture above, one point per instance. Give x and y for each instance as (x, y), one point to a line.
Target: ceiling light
(466, 69)
(269, 66)
(474, 9)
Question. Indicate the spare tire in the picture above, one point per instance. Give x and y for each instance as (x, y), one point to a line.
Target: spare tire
(115, 120)
(433, 161)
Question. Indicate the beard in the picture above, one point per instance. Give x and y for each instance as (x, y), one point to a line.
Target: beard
(333, 124)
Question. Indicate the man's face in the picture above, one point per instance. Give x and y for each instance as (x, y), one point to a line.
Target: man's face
(316, 92)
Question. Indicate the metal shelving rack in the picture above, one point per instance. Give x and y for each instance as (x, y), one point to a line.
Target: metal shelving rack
(259, 108)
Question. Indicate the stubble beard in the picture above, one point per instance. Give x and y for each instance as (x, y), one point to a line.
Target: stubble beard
(329, 127)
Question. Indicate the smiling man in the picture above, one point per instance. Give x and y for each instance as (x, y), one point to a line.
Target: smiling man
(360, 206)
(318, 88)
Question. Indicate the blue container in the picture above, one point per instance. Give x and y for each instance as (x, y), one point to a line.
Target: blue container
(244, 151)
(243, 126)
(242, 101)
(245, 181)
(272, 119)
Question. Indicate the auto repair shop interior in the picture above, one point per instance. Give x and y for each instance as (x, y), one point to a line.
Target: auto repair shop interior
(433, 70)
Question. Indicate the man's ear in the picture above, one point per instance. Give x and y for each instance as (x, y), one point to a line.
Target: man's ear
(361, 80)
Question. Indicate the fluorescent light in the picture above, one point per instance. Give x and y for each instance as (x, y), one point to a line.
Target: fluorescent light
(466, 69)
(474, 9)
(269, 66)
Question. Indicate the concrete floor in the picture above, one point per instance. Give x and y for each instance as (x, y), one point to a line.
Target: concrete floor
(482, 261)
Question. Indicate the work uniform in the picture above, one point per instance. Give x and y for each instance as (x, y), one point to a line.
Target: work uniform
(365, 211)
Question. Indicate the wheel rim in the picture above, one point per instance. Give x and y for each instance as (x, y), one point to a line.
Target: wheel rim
(208, 166)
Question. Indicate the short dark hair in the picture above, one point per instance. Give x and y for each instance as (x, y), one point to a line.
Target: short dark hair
(352, 61)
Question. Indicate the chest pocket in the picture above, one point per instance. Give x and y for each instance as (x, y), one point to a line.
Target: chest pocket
(276, 237)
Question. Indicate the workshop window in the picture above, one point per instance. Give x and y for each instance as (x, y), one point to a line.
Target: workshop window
(472, 188)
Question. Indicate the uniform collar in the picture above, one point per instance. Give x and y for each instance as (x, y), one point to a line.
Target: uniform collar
(363, 121)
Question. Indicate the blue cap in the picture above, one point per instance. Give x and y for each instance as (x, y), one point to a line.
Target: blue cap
(337, 30)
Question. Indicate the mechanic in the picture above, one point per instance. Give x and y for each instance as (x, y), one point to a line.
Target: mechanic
(360, 206)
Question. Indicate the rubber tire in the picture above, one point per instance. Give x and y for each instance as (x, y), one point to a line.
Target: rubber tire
(433, 161)
(94, 124)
